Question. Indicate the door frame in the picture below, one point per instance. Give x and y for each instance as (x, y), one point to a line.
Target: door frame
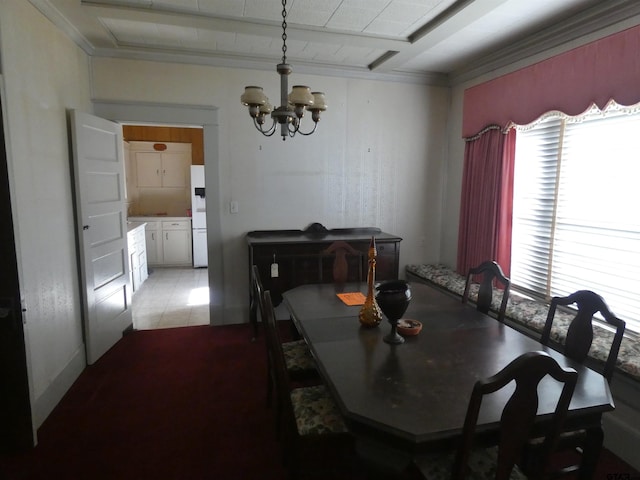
(16, 417)
(187, 115)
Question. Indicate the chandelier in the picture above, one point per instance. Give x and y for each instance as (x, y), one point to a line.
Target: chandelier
(292, 106)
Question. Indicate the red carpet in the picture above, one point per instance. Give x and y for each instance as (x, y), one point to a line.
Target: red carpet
(184, 403)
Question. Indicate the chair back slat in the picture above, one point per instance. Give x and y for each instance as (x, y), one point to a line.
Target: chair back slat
(491, 273)
(519, 412)
(579, 335)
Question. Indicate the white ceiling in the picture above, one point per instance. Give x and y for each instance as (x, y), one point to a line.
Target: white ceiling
(428, 39)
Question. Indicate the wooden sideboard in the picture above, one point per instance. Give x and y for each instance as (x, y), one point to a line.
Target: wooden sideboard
(301, 257)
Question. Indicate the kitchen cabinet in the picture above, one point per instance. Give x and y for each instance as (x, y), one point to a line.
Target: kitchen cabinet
(168, 240)
(176, 242)
(168, 168)
(153, 237)
(136, 244)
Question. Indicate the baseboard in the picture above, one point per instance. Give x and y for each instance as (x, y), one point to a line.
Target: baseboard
(46, 402)
(231, 315)
(218, 315)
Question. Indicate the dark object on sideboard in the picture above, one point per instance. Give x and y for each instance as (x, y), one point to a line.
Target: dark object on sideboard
(289, 258)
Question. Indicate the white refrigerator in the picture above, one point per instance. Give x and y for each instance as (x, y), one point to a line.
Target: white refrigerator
(198, 217)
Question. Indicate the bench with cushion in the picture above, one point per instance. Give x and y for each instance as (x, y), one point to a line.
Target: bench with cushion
(529, 315)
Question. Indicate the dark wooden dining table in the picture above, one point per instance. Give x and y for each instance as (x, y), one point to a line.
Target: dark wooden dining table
(404, 400)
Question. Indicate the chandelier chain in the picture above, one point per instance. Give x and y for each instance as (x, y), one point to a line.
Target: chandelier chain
(292, 107)
(284, 31)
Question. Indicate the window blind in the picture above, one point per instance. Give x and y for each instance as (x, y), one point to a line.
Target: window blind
(576, 222)
(533, 204)
(597, 239)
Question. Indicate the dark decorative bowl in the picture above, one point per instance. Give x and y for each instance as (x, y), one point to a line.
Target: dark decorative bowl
(393, 298)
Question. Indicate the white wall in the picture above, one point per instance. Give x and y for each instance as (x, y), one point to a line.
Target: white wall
(44, 74)
(376, 160)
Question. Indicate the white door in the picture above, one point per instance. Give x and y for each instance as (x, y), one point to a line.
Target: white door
(102, 230)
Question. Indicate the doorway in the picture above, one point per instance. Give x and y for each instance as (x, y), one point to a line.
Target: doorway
(207, 117)
(169, 296)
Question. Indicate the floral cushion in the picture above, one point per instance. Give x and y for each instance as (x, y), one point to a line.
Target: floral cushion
(315, 411)
(482, 466)
(532, 314)
(297, 356)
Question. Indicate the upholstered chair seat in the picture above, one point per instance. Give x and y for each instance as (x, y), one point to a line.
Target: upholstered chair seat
(298, 358)
(316, 412)
(481, 464)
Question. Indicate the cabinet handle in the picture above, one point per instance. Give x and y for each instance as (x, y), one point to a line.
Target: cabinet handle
(166, 235)
(153, 236)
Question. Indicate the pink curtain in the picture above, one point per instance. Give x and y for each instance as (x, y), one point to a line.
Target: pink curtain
(505, 204)
(487, 200)
(571, 82)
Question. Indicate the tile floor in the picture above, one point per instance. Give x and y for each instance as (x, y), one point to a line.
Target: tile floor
(172, 297)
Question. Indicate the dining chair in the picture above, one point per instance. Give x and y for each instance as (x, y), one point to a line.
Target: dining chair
(579, 334)
(309, 414)
(575, 343)
(517, 419)
(299, 362)
(341, 251)
(490, 273)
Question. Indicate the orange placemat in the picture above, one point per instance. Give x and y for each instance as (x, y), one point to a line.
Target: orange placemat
(352, 298)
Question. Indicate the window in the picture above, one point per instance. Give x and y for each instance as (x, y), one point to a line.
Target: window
(576, 209)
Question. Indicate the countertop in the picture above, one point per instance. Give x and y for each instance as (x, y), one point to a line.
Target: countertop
(157, 218)
(132, 225)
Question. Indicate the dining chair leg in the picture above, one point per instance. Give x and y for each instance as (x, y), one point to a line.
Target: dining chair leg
(269, 383)
(591, 452)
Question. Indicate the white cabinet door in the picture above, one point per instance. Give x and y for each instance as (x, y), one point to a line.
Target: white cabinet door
(131, 246)
(175, 168)
(144, 270)
(148, 169)
(153, 240)
(176, 247)
(137, 257)
(167, 169)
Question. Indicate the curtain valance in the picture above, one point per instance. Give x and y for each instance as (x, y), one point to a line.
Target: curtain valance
(604, 70)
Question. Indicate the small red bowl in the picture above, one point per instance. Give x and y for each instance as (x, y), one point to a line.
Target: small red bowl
(409, 328)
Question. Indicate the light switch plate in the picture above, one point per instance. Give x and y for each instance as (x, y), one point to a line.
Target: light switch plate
(233, 206)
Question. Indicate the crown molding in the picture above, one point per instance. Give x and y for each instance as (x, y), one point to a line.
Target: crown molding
(603, 15)
(54, 16)
(258, 63)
